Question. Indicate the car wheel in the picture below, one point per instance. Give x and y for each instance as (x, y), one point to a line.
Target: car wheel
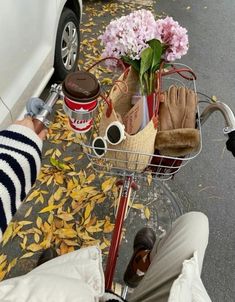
(67, 44)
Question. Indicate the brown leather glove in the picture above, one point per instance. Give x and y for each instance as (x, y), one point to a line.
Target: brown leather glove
(177, 119)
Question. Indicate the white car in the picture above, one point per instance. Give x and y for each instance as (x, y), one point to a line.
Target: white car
(38, 38)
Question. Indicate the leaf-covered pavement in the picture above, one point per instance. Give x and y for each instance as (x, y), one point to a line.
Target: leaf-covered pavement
(70, 206)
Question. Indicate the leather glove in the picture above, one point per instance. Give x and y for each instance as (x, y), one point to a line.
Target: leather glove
(177, 135)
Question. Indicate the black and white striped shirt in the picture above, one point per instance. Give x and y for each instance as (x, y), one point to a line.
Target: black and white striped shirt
(20, 162)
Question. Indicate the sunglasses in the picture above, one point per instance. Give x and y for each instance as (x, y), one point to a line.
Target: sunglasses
(114, 135)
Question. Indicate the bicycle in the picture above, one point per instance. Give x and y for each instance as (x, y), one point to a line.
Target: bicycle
(159, 167)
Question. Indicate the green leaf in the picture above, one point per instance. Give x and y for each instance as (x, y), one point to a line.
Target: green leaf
(54, 162)
(146, 60)
(166, 65)
(134, 63)
(145, 65)
(157, 53)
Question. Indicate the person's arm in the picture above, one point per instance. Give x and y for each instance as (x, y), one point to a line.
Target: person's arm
(20, 162)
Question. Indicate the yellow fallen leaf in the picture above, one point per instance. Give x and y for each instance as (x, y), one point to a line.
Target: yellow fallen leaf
(48, 152)
(57, 152)
(103, 246)
(50, 208)
(137, 206)
(63, 248)
(58, 194)
(70, 185)
(98, 196)
(44, 192)
(27, 255)
(78, 195)
(34, 247)
(106, 241)
(24, 222)
(68, 225)
(7, 234)
(59, 178)
(85, 236)
(66, 216)
(50, 218)
(90, 178)
(40, 199)
(76, 206)
(70, 242)
(86, 222)
(3, 265)
(36, 238)
(71, 249)
(28, 212)
(93, 229)
(46, 227)
(23, 244)
(108, 226)
(87, 211)
(46, 243)
(108, 184)
(92, 221)
(50, 180)
(58, 223)
(33, 195)
(106, 81)
(39, 232)
(89, 24)
(2, 258)
(147, 212)
(68, 158)
(214, 98)
(66, 233)
(12, 264)
(51, 200)
(101, 199)
(82, 177)
(80, 156)
(39, 222)
(90, 189)
(2, 275)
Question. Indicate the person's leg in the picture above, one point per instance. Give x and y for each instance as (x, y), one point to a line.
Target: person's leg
(189, 233)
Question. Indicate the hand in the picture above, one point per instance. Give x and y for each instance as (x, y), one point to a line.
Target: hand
(28, 122)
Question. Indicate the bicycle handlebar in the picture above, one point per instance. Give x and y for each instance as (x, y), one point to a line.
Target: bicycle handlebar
(229, 122)
(39, 110)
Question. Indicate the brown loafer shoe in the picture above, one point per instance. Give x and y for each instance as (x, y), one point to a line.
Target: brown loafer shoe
(140, 261)
(47, 255)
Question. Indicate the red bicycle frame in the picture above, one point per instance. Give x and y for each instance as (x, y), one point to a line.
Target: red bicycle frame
(127, 184)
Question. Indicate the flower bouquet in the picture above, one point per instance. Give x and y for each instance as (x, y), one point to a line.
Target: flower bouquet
(144, 43)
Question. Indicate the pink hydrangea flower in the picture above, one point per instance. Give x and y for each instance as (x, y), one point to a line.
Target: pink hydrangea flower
(174, 37)
(128, 35)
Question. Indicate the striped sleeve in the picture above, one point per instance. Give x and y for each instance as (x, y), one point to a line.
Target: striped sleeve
(20, 162)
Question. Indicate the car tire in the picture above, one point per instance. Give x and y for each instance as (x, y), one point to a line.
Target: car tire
(67, 44)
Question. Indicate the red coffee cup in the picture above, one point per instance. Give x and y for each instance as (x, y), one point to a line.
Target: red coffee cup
(81, 91)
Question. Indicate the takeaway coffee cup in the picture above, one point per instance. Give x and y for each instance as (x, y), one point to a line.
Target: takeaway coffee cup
(81, 91)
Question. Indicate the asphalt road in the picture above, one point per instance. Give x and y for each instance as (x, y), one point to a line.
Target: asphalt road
(207, 184)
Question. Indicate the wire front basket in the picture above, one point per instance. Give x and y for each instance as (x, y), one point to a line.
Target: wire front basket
(129, 163)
